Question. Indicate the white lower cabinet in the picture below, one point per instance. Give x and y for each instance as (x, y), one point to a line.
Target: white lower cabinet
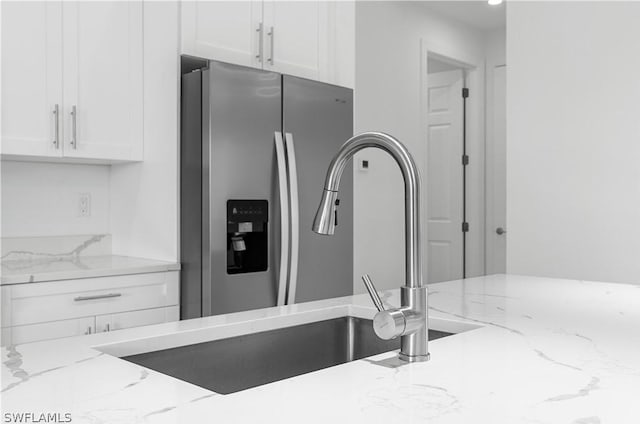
(50, 330)
(55, 309)
(137, 318)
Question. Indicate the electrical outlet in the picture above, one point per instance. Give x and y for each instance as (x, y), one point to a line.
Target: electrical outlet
(84, 205)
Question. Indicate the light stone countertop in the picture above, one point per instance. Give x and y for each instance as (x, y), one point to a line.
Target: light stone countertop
(70, 267)
(542, 351)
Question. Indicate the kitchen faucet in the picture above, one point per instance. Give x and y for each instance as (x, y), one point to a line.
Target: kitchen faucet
(410, 320)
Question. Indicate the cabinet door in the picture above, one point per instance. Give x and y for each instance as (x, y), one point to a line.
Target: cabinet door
(137, 318)
(31, 77)
(103, 65)
(338, 43)
(5, 336)
(58, 300)
(228, 31)
(292, 37)
(50, 330)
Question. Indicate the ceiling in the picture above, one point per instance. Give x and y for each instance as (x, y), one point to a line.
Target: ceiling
(477, 14)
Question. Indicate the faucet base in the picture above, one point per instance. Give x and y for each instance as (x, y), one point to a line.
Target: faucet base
(414, 343)
(418, 358)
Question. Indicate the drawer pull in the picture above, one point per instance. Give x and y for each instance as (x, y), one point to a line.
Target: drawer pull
(96, 297)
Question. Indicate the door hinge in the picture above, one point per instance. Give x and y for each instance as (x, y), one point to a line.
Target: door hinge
(465, 160)
(465, 92)
(465, 227)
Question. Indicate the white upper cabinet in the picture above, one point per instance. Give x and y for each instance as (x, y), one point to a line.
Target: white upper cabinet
(225, 30)
(310, 39)
(340, 66)
(103, 83)
(292, 37)
(82, 57)
(31, 77)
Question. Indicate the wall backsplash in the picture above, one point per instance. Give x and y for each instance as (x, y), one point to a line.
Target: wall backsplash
(42, 199)
(38, 248)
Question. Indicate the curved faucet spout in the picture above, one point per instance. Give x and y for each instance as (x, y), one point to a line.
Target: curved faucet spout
(324, 222)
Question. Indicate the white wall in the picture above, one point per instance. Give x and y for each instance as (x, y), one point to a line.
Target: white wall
(388, 99)
(495, 153)
(573, 133)
(144, 196)
(41, 199)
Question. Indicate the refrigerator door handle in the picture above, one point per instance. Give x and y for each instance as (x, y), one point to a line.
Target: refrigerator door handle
(284, 218)
(295, 218)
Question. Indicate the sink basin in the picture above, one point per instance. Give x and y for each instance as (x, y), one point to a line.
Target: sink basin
(238, 363)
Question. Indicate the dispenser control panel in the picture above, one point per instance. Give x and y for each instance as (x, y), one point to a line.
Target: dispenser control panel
(247, 216)
(247, 236)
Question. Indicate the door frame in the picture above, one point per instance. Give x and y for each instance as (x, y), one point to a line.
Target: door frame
(475, 208)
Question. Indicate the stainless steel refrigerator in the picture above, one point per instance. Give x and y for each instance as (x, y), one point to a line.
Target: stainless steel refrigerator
(254, 150)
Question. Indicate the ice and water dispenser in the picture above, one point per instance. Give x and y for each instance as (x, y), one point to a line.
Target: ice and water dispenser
(247, 236)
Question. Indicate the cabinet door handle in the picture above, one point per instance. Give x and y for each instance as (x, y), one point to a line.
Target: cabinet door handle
(260, 32)
(56, 126)
(74, 127)
(272, 37)
(96, 297)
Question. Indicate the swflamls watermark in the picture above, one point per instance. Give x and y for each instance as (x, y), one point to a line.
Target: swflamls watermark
(37, 417)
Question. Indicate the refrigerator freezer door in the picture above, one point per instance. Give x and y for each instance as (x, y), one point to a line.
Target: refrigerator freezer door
(320, 119)
(240, 117)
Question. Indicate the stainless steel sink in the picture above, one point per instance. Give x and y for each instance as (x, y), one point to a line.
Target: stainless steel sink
(239, 363)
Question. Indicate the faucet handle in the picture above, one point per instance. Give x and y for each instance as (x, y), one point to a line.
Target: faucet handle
(375, 297)
(387, 324)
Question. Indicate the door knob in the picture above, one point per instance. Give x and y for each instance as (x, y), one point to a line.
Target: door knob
(500, 231)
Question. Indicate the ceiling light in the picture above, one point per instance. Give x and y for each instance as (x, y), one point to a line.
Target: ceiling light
(495, 2)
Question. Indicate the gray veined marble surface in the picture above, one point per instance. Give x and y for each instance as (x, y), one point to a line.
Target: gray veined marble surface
(37, 259)
(543, 351)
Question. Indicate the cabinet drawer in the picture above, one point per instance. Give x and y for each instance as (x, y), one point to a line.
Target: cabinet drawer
(137, 318)
(5, 306)
(5, 336)
(48, 331)
(60, 300)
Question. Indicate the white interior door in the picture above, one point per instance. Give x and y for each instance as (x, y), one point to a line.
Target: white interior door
(292, 36)
(223, 30)
(31, 77)
(103, 65)
(497, 175)
(444, 176)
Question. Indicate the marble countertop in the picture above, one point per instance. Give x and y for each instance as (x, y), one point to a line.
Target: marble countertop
(538, 350)
(66, 267)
